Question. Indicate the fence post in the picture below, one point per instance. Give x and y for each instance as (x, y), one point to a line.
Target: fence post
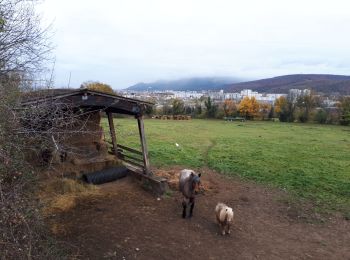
(144, 145)
(112, 131)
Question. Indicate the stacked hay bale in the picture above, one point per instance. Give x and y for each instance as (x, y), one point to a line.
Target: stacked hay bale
(174, 117)
(87, 149)
(81, 151)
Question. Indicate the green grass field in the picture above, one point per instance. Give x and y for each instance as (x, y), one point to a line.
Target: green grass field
(309, 161)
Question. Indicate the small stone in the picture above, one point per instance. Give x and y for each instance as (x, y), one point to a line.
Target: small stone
(158, 198)
(137, 249)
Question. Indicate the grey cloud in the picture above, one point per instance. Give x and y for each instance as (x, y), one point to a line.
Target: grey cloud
(125, 42)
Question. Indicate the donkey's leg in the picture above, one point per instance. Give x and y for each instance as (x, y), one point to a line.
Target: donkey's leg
(228, 228)
(192, 206)
(184, 206)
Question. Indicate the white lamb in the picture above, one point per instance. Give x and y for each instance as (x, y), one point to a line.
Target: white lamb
(224, 216)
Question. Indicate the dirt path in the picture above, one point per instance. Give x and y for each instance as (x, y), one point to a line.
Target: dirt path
(206, 152)
(130, 223)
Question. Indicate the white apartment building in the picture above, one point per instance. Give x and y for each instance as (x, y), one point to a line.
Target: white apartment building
(187, 94)
(294, 94)
(260, 97)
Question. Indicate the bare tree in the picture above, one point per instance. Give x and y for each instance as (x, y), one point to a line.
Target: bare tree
(24, 47)
(24, 44)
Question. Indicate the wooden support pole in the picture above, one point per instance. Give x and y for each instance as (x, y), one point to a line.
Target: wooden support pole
(112, 131)
(144, 145)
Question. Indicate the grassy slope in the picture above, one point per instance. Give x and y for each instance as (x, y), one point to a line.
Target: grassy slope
(309, 161)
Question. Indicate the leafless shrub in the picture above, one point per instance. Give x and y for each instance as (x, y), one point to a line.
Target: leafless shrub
(36, 131)
(24, 47)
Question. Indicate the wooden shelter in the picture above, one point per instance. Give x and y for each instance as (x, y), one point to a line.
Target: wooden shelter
(83, 99)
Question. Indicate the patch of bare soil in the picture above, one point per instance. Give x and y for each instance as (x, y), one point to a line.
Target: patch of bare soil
(130, 223)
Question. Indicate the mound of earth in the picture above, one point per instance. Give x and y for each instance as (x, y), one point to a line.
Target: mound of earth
(172, 175)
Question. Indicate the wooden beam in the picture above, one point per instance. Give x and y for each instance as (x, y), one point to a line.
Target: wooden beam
(132, 163)
(144, 145)
(130, 157)
(106, 103)
(112, 131)
(129, 149)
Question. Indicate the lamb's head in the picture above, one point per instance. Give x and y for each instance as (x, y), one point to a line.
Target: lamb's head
(229, 214)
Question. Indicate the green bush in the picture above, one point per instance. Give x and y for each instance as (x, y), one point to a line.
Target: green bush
(321, 116)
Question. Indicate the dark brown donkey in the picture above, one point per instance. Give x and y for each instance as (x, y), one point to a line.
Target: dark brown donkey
(189, 183)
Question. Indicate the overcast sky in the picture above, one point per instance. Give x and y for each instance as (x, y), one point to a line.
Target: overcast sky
(125, 42)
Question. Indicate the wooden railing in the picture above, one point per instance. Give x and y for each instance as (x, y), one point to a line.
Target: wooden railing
(124, 153)
(128, 155)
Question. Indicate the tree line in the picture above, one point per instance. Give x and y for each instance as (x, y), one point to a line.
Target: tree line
(306, 108)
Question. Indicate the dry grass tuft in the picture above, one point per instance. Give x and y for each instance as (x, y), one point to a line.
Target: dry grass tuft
(61, 194)
(58, 229)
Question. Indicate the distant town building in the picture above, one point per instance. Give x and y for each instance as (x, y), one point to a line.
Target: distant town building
(187, 94)
(189, 97)
(294, 94)
(329, 103)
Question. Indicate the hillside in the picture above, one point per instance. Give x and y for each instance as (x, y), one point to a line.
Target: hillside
(190, 84)
(328, 84)
(325, 83)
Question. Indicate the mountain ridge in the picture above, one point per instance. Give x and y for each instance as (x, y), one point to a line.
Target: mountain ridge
(186, 84)
(323, 83)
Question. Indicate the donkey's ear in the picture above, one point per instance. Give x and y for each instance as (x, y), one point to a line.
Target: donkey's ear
(199, 174)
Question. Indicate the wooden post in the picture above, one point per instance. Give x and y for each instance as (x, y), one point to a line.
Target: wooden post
(112, 131)
(144, 145)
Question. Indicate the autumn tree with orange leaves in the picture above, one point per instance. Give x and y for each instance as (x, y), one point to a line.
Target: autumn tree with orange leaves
(98, 86)
(284, 109)
(265, 110)
(249, 108)
(229, 107)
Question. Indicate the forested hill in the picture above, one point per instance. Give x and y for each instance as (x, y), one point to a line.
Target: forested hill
(325, 83)
(189, 84)
(328, 84)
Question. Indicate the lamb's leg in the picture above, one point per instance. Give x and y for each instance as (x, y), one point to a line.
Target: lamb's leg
(184, 206)
(222, 229)
(192, 206)
(218, 220)
(228, 229)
